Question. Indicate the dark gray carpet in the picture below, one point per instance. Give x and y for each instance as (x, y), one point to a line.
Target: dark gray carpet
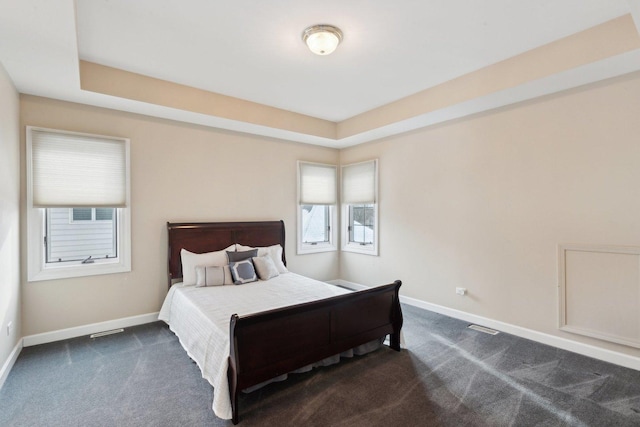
(448, 376)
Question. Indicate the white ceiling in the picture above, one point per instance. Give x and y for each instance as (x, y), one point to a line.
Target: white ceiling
(252, 49)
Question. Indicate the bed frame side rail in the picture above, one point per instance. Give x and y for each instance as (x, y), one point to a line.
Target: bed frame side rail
(271, 343)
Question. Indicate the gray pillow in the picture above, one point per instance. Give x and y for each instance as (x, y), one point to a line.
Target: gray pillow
(239, 256)
(243, 271)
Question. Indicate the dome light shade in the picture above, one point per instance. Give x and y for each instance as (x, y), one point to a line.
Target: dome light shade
(322, 39)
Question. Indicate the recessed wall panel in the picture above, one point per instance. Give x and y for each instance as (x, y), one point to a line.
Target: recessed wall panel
(600, 292)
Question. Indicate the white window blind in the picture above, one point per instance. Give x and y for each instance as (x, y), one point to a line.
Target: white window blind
(317, 184)
(359, 183)
(76, 170)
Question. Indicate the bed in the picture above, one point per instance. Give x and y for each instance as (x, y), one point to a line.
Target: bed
(245, 336)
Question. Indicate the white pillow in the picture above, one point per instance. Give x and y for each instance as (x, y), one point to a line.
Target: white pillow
(275, 252)
(190, 261)
(265, 267)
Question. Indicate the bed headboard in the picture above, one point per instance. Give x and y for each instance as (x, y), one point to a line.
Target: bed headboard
(200, 237)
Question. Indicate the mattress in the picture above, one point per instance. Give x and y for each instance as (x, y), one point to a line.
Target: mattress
(200, 318)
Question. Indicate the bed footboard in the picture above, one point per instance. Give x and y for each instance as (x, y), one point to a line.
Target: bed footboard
(275, 342)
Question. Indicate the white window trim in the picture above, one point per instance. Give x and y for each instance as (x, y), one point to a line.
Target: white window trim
(37, 269)
(312, 248)
(347, 246)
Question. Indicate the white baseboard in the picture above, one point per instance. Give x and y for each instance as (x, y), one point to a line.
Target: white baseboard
(6, 368)
(63, 334)
(584, 349)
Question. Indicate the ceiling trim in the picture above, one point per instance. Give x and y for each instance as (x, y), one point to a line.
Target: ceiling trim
(622, 64)
(124, 84)
(634, 6)
(598, 43)
(604, 51)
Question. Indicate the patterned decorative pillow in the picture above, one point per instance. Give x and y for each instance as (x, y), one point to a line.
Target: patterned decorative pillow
(265, 267)
(243, 271)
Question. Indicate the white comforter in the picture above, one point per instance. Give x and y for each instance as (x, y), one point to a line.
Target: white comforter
(200, 318)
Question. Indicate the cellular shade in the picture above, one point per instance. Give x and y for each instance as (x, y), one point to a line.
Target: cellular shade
(317, 184)
(359, 183)
(74, 170)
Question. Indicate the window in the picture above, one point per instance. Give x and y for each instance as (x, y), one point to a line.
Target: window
(360, 207)
(91, 214)
(78, 215)
(316, 207)
(81, 214)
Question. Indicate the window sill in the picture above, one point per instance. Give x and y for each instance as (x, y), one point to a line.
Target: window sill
(314, 249)
(361, 249)
(65, 272)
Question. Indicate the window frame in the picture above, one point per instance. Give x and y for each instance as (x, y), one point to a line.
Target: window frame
(37, 268)
(316, 247)
(347, 245)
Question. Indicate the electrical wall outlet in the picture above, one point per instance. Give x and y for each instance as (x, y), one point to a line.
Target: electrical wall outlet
(461, 291)
(9, 328)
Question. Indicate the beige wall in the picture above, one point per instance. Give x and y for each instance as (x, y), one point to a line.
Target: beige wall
(179, 172)
(480, 203)
(9, 216)
(483, 202)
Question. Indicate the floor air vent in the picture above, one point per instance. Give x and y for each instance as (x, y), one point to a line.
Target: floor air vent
(483, 329)
(102, 334)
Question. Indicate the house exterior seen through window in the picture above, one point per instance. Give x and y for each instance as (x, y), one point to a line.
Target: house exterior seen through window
(80, 234)
(316, 222)
(361, 224)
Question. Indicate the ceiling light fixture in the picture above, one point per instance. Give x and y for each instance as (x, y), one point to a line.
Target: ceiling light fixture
(322, 39)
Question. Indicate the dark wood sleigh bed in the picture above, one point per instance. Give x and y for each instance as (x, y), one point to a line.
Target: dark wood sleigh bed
(268, 344)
